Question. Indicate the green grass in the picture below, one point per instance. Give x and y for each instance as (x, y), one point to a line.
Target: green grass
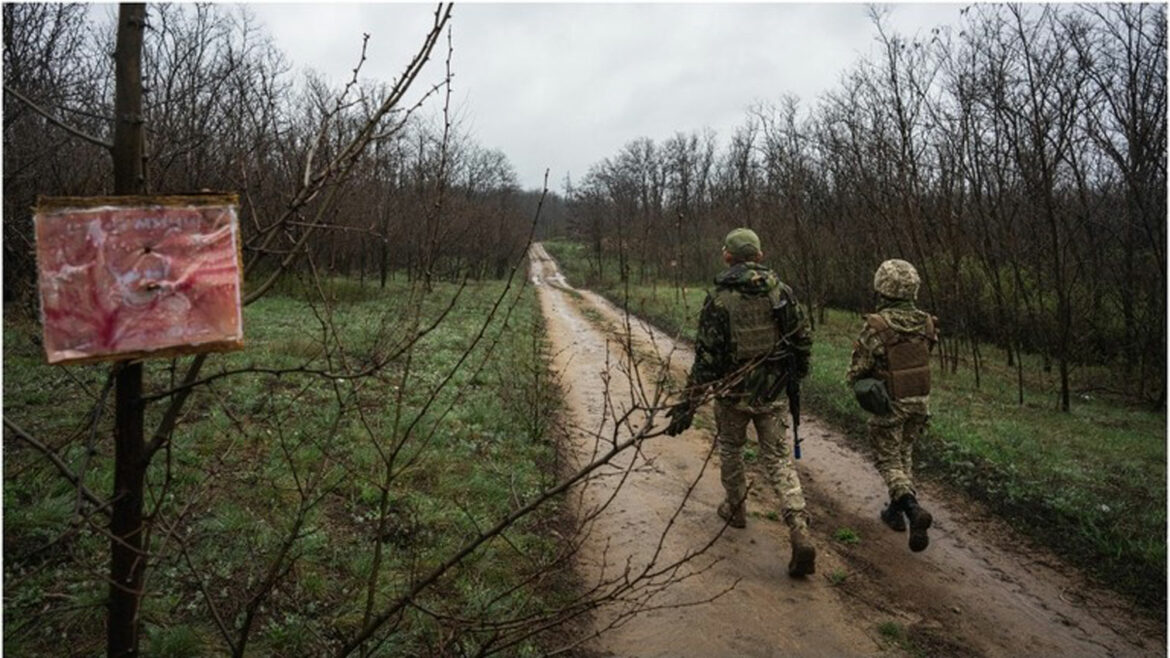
(909, 640)
(847, 536)
(1090, 483)
(673, 309)
(891, 630)
(250, 444)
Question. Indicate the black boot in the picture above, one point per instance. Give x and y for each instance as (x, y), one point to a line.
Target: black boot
(804, 554)
(920, 521)
(733, 514)
(892, 516)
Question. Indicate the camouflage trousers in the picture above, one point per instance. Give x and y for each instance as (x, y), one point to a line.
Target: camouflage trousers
(771, 430)
(893, 436)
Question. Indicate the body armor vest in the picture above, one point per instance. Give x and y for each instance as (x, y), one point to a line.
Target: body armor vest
(753, 326)
(907, 357)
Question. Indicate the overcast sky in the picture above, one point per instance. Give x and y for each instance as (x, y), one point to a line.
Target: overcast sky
(562, 86)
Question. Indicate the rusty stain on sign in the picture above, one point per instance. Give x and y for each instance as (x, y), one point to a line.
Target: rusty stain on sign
(131, 277)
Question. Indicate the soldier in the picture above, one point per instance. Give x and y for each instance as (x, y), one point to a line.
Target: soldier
(890, 373)
(752, 340)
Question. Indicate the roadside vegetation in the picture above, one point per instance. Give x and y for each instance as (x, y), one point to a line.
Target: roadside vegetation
(372, 474)
(363, 478)
(1090, 483)
(1016, 157)
(270, 503)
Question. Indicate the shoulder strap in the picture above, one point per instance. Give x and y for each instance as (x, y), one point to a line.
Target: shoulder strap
(719, 295)
(784, 317)
(777, 297)
(885, 333)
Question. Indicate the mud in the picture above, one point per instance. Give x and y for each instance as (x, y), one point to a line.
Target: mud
(979, 589)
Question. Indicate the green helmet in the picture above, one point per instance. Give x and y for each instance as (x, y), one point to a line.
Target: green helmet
(896, 279)
(743, 244)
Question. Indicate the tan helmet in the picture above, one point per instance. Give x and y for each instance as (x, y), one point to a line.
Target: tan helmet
(896, 279)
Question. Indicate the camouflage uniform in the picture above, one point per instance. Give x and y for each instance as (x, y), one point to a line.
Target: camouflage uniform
(898, 325)
(752, 392)
(892, 435)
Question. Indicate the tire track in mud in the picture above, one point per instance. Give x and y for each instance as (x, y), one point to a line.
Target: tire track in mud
(979, 590)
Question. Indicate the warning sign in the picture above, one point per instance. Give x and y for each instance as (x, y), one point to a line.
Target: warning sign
(130, 277)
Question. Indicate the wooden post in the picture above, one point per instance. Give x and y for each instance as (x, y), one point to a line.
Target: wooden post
(127, 554)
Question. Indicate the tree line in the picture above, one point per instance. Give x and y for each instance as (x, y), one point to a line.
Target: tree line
(353, 179)
(224, 110)
(1018, 159)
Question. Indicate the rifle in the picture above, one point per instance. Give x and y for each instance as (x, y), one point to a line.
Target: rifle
(793, 391)
(792, 387)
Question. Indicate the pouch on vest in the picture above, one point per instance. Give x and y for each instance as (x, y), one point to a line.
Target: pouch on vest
(753, 328)
(871, 395)
(908, 359)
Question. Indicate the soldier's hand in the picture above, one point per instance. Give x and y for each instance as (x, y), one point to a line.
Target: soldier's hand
(681, 415)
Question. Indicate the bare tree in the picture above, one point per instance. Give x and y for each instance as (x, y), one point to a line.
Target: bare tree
(1012, 159)
(304, 440)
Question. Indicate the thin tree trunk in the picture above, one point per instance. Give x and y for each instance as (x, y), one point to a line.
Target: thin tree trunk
(977, 359)
(127, 556)
(1065, 396)
(1020, 372)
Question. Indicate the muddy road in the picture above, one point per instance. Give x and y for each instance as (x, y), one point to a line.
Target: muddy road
(978, 590)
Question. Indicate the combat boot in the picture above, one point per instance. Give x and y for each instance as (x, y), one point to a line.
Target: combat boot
(733, 514)
(920, 521)
(804, 554)
(892, 516)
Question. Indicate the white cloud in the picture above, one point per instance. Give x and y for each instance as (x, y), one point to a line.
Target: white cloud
(561, 86)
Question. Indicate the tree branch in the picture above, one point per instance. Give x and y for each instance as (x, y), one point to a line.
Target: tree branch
(62, 468)
(57, 122)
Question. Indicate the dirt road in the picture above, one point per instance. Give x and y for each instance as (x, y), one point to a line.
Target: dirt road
(979, 590)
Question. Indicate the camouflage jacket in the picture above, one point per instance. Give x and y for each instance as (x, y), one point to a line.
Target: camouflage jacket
(869, 354)
(760, 384)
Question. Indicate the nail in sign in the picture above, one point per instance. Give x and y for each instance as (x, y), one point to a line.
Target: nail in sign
(135, 277)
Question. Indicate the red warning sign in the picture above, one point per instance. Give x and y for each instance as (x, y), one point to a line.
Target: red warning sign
(130, 277)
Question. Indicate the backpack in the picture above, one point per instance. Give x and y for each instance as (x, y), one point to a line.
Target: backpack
(907, 358)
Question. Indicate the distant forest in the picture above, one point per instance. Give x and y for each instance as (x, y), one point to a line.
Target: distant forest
(1018, 159)
(224, 111)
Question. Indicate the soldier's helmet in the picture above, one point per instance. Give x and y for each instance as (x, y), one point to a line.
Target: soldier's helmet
(743, 244)
(896, 279)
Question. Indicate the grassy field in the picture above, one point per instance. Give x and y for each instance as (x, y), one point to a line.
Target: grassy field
(261, 462)
(1090, 483)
